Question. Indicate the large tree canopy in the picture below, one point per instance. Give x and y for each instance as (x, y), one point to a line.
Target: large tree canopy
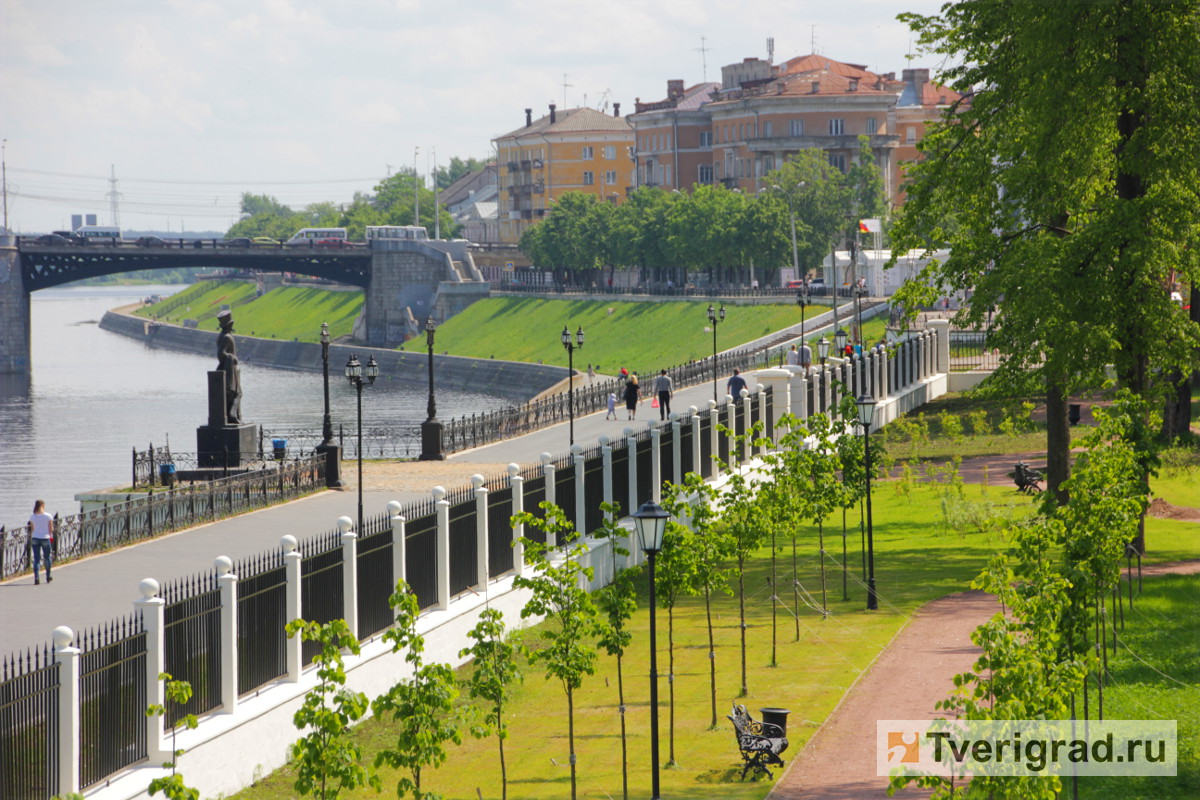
(1065, 187)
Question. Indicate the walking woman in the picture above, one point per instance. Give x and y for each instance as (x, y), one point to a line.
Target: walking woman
(41, 528)
(633, 393)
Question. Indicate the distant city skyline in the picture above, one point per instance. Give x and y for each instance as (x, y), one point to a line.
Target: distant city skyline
(191, 104)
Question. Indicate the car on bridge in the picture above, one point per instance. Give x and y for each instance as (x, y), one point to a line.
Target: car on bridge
(72, 237)
(237, 241)
(52, 239)
(151, 241)
(264, 241)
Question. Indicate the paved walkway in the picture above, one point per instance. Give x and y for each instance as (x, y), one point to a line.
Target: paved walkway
(101, 588)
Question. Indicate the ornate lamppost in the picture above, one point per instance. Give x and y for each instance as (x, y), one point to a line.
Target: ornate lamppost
(651, 521)
(431, 429)
(823, 350)
(715, 317)
(356, 374)
(333, 453)
(860, 292)
(839, 339)
(866, 413)
(571, 345)
(802, 301)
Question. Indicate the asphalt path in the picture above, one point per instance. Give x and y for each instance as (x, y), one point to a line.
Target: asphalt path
(96, 590)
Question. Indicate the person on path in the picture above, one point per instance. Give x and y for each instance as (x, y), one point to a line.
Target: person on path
(665, 389)
(735, 385)
(41, 537)
(612, 406)
(632, 394)
(793, 357)
(591, 373)
(806, 357)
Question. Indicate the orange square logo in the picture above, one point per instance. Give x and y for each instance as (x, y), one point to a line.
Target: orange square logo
(902, 747)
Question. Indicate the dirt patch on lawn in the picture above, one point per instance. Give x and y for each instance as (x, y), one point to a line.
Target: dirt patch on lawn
(1164, 510)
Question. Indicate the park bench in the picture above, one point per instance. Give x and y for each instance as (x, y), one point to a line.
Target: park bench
(760, 743)
(1027, 478)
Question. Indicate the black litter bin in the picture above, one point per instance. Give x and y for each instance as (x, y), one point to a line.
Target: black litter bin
(776, 716)
(166, 474)
(1074, 411)
(279, 446)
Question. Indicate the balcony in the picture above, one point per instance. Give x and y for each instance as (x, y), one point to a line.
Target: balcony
(845, 142)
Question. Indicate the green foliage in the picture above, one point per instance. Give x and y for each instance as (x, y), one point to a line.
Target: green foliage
(494, 671)
(328, 760)
(421, 709)
(172, 786)
(952, 426)
(977, 420)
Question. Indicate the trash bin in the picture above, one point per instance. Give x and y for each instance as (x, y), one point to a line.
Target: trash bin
(776, 716)
(279, 446)
(166, 474)
(1074, 410)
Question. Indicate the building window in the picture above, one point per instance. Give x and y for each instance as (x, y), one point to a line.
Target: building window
(706, 138)
(767, 129)
(704, 174)
(835, 159)
(837, 127)
(796, 127)
(588, 153)
(910, 135)
(871, 125)
(589, 178)
(610, 177)
(610, 151)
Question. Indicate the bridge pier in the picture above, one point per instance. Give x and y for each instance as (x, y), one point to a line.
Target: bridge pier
(14, 312)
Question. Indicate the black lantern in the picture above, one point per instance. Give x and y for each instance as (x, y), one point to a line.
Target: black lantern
(866, 415)
(651, 521)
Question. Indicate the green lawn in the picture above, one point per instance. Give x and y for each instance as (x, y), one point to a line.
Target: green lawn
(918, 557)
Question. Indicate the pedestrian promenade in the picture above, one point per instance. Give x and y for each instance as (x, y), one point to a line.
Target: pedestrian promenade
(102, 588)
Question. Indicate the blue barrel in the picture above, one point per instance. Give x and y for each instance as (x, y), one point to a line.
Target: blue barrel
(166, 474)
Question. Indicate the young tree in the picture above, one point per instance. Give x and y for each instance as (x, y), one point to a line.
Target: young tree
(328, 760)
(421, 708)
(494, 670)
(559, 594)
(617, 603)
(172, 786)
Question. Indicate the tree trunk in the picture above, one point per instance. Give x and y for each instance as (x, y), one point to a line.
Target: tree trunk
(712, 657)
(1058, 439)
(742, 619)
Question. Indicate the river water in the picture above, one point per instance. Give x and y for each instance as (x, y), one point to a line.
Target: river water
(94, 396)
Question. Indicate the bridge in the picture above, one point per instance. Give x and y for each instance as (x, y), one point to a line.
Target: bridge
(403, 281)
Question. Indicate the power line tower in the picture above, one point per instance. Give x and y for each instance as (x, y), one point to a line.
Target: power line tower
(114, 197)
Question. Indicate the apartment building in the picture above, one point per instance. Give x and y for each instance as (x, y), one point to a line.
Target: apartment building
(574, 150)
(738, 131)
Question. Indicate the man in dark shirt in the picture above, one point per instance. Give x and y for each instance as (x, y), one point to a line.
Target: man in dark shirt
(735, 385)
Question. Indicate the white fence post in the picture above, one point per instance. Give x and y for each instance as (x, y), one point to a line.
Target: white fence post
(580, 496)
(714, 416)
(443, 547)
(676, 449)
(694, 419)
(548, 470)
(294, 596)
(517, 483)
(229, 633)
(747, 448)
(762, 415)
(606, 471)
(68, 709)
(655, 463)
(631, 460)
(399, 544)
(481, 532)
(349, 573)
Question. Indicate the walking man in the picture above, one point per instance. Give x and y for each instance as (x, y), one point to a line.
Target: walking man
(735, 385)
(664, 388)
(806, 357)
(793, 357)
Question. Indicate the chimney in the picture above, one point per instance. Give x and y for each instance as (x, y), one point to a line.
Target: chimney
(553, 116)
(853, 85)
(674, 89)
(917, 77)
(528, 117)
(616, 109)
(816, 87)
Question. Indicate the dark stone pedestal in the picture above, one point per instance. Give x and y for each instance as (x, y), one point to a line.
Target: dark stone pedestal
(333, 465)
(226, 446)
(431, 441)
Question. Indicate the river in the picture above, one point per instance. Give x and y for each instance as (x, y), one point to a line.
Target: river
(94, 396)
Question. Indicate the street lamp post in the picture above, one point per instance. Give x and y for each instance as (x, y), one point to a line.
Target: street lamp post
(571, 345)
(839, 339)
(802, 301)
(860, 292)
(431, 429)
(333, 463)
(866, 413)
(651, 521)
(715, 317)
(355, 374)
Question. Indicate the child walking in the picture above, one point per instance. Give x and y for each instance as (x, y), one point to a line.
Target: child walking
(612, 406)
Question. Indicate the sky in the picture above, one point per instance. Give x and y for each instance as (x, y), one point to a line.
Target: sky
(192, 102)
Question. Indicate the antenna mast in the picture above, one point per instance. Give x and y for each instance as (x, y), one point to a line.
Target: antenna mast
(703, 51)
(114, 197)
(565, 87)
(4, 179)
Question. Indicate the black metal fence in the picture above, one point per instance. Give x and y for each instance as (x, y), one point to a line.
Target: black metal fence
(134, 520)
(970, 350)
(261, 614)
(112, 699)
(192, 644)
(29, 687)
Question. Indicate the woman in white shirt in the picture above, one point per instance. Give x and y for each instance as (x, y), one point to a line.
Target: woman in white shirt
(41, 536)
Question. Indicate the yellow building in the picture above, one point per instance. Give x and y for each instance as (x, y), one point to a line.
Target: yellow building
(575, 150)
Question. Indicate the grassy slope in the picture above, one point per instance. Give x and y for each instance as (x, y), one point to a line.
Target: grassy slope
(289, 312)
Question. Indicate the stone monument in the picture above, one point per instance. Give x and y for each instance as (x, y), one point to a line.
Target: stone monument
(225, 441)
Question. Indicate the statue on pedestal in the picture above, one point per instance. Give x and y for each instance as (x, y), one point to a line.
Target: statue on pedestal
(227, 362)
